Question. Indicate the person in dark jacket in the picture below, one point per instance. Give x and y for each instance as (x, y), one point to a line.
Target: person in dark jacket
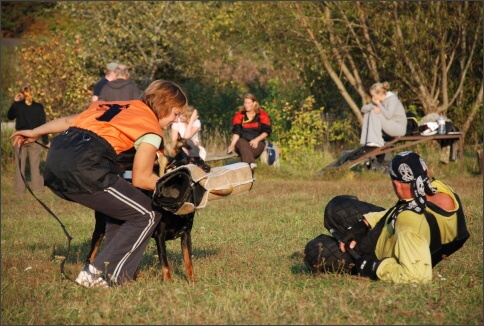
(120, 89)
(109, 75)
(27, 114)
(250, 126)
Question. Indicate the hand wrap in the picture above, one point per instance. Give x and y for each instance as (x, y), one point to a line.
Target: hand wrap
(367, 265)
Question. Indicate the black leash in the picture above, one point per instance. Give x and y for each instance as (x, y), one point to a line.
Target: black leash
(69, 238)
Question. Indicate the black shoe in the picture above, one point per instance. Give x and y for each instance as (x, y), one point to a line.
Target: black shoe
(380, 158)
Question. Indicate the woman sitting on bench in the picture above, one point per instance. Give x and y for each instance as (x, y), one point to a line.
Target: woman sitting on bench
(250, 126)
(385, 113)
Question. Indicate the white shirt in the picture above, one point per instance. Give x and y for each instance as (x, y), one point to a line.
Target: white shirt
(181, 127)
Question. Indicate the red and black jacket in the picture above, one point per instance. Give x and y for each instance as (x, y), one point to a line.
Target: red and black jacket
(250, 129)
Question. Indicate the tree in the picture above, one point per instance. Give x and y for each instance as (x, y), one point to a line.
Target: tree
(141, 34)
(381, 40)
(19, 17)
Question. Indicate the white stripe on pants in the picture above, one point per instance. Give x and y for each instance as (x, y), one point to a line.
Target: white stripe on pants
(127, 242)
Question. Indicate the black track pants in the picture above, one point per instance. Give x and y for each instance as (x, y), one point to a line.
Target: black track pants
(125, 242)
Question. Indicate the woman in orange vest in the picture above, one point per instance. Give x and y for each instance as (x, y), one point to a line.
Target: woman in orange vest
(85, 164)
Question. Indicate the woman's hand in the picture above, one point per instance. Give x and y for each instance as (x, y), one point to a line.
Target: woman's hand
(254, 143)
(24, 137)
(19, 97)
(194, 115)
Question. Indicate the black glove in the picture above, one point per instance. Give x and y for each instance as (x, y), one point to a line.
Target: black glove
(367, 265)
(355, 232)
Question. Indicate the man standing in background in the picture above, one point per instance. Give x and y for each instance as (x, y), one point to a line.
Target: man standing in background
(121, 88)
(109, 75)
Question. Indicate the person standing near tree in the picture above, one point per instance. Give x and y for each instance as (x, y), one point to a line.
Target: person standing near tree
(120, 89)
(109, 75)
(250, 126)
(27, 114)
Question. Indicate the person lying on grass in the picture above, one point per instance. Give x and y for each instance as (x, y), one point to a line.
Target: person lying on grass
(400, 244)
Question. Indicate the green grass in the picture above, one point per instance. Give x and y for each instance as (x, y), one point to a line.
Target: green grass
(248, 263)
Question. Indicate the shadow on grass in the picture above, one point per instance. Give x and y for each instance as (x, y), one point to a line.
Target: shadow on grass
(79, 252)
(299, 267)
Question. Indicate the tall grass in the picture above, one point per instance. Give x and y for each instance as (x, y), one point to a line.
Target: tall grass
(247, 257)
(8, 152)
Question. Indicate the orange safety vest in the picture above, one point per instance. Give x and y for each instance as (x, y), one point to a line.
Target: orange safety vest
(119, 123)
(98, 147)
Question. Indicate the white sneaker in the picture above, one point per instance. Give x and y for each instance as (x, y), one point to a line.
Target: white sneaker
(253, 166)
(91, 277)
(373, 145)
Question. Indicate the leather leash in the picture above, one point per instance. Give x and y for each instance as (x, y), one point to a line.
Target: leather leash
(69, 238)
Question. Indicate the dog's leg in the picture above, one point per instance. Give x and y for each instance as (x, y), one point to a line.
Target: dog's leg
(97, 236)
(160, 240)
(162, 163)
(186, 246)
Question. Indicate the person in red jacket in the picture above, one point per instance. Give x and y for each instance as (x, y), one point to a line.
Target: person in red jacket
(86, 162)
(250, 126)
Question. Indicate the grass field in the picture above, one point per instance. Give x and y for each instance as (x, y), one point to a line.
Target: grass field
(247, 257)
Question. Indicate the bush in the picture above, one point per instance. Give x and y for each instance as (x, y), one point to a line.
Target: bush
(8, 153)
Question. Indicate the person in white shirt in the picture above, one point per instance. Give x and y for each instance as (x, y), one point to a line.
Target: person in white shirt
(187, 127)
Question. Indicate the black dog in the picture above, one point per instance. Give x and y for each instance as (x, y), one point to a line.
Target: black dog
(171, 226)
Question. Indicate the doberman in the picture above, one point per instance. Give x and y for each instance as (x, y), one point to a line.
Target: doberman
(171, 226)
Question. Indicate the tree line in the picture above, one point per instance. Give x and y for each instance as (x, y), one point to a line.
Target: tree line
(309, 63)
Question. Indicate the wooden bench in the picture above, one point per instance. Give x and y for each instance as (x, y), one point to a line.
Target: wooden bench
(220, 156)
(402, 142)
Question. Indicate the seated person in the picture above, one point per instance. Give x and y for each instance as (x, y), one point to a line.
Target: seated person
(385, 113)
(187, 131)
(250, 126)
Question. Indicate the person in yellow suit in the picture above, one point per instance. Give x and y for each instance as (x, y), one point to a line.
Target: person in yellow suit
(400, 244)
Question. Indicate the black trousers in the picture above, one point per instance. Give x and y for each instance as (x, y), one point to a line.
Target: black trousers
(322, 254)
(125, 241)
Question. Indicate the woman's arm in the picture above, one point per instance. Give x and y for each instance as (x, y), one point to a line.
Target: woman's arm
(144, 159)
(51, 127)
(235, 138)
(367, 108)
(255, 142)
(390, 106)
(191, 128)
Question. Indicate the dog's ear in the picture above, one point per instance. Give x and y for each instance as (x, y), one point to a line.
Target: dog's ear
(182, 143)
